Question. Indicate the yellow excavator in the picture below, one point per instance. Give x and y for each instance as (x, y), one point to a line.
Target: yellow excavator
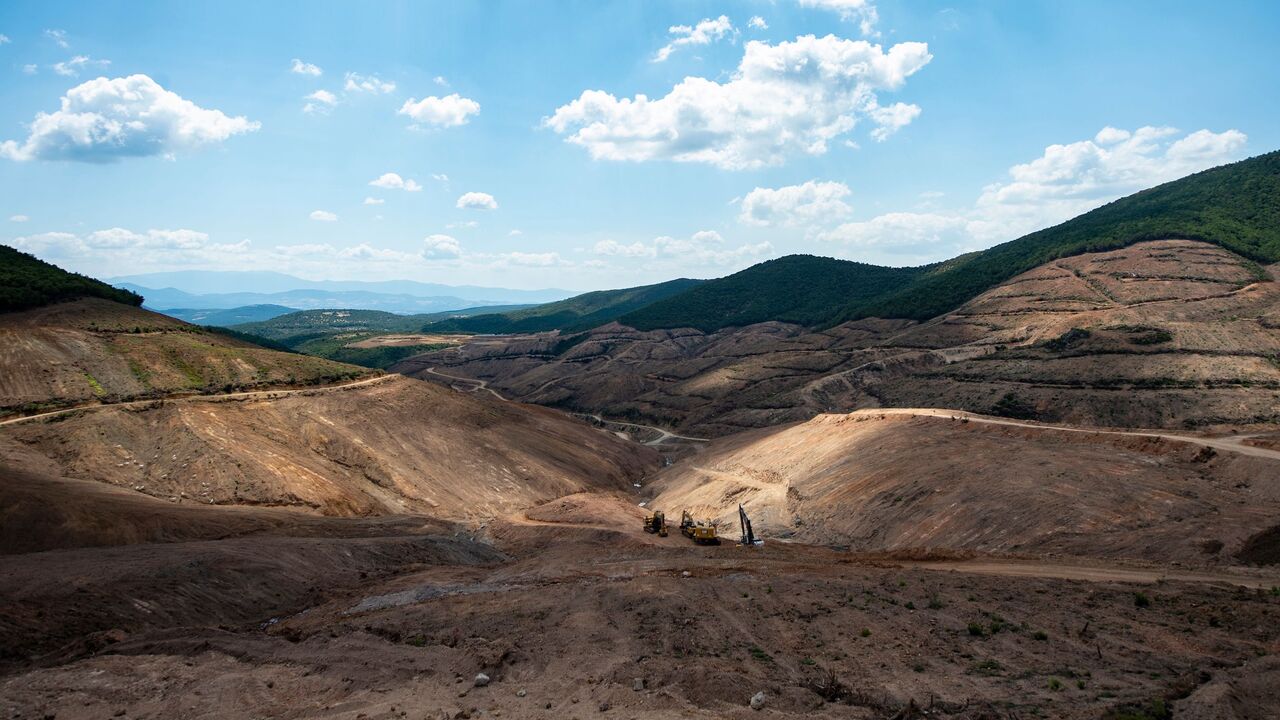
(656, 523)
(701, 532)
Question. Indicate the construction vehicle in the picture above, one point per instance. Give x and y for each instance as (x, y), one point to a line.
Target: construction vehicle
(748, 535)
(701, 532)
(656, 523)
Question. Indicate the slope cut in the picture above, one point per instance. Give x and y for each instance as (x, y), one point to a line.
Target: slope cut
(94, 350)
(1172, 333)
(886, 480)
(393, 446)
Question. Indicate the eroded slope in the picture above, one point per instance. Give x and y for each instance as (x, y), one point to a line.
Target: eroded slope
(1161, 334)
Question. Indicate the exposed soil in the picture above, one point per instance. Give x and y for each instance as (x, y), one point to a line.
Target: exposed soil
(1171, 334)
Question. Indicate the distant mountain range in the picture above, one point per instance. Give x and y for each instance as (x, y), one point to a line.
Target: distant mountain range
(233, 316)
(195, 290)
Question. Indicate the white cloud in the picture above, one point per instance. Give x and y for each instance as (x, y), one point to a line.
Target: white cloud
(356, 83)
(1065, 181)
(783, 100)
(59, 37)
(320, 101)
(104, 120)
(439, 80)
(72, 67)
(373, 201)
(440, 247)
(440, 176)
(703, 248)
(477, 201)
(810, 203)
(323, 216)
(467, 224)
(515, 233)
(30, 69)
(448, 111)
(704, 33)
(4, 39)
(305, 68)
(862, 12)
(18, 218)
(393, 181)
(758, 23)
(530, 259)
(890, 119)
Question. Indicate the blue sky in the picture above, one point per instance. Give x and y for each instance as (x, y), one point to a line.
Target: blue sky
(891, 132)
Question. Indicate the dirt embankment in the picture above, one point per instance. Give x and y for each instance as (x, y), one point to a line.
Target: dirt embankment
(884, 481)
(395, 447)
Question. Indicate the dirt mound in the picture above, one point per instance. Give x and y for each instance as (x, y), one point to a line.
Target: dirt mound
(91, 351)
(1170, 333)
(40, 512)
(880, 480)
(397, 446)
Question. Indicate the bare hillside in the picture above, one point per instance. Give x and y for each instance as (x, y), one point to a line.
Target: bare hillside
(94, 350)
(1160, 334)
(388, 447)
(885, 480)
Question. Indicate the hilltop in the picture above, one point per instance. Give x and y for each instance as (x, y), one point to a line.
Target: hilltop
(580, 312)
(28, 282)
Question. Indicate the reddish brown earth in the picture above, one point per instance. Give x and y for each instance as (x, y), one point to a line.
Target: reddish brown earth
(1181, 334)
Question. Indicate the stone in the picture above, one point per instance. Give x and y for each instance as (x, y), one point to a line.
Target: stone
(757, 700)
(482, 680)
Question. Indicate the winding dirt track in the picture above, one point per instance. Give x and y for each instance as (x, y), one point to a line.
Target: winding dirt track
(247, 395)
(663, 434)
(1233, 443)
(1090, 573)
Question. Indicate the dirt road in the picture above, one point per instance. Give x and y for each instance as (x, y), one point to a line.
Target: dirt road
(247, 395)
(1230, 444)
(1090, 573)
(476, 385)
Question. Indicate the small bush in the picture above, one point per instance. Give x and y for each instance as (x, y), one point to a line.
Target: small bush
(976, 630)
(1041, 635)
(1141, 600)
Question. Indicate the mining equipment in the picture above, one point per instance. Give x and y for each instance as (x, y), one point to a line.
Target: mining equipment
(656, 523)
(748, 536)
(701, 532)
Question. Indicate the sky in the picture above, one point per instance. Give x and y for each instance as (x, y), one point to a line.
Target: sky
(600, 144)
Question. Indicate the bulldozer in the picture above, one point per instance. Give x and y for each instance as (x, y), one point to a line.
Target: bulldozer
(701, 532)
(656, 523)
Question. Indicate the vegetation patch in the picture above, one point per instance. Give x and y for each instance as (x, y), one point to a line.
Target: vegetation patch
(28, 282)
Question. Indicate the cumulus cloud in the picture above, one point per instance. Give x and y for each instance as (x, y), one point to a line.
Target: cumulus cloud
(30, 69)
(705, 32)
(105, 120)
(323, 216)
(320, 101)
(783, 100)
(18, 218)
(529, 259)
(373, 201)
(4, 39)
(448, 111)
(59, 37)
(809, 203)
(357, 83)
(757, 23)
(1065, 181)
(440, 247)
(393, 181)
(72, 67)
(862, 12)
(705, 247)
(477, 201)
(305, 68)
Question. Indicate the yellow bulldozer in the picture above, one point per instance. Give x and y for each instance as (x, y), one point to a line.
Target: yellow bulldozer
(656, 523)
(701, 532)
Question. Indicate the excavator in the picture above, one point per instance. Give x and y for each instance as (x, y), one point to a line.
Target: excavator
(656, 523)
(748, 535)
(701, 532)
